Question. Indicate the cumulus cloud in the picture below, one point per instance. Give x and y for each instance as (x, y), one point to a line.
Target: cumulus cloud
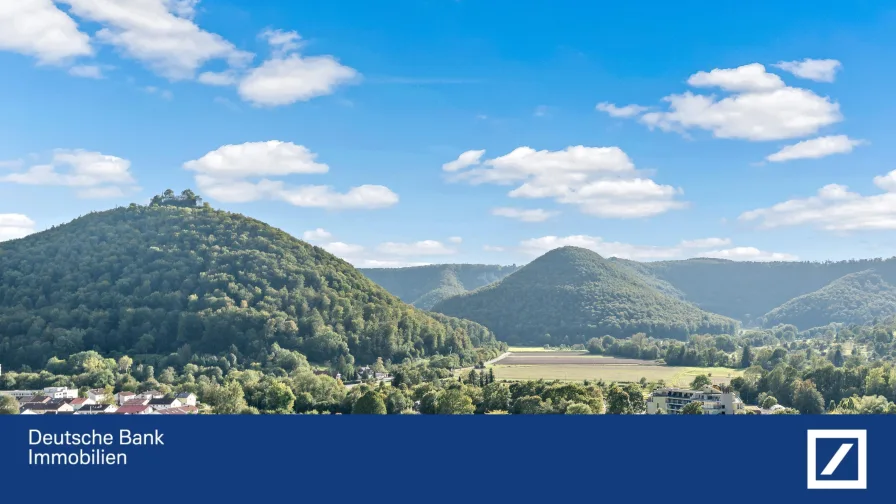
(818, 70)
(40, 29)
(158, 33)
(745, 78)
(626, 111)
(684, 249)
(748, 254)
(761, 107)
(834, 208)
(14, 226)
(465, 160)
(228, 173)
(525, 215)
(92, 174)
(816, 148)
(600, 181)
(420, 248)
(361, 257)
(288, 77)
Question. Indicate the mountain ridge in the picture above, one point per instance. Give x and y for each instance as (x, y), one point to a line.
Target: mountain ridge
(571, 294)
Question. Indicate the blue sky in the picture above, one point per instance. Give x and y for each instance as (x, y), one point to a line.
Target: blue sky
(751, 133)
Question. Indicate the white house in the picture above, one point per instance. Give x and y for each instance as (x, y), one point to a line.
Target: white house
(60, 393)
(123, 397)
(98, 395)
(187, 398)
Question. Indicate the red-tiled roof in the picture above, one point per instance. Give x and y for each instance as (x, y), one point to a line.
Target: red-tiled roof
(130, 409)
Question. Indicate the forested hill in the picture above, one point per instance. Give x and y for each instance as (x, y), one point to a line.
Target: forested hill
(572, 294)
(858, 298)
(177, 278)
(748, 290)
(424, 286)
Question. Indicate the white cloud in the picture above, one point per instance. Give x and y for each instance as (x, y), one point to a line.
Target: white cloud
(317, 235)
(159, 33)
(86, 71)
(93, 174)
(818, 70)
(834, 208)
(748, 254)
(14, 226)
(684, 249)
(420, 248)
(751, 77)
(456, 239)
(294, 78)
(12, 164)
(282, 42)
(625, 111)
(465, 160)
(541, 111)
(703, 243)
(182, 8)
(525, 215)
(224, 174)
(761, 108)
(225, 78)
(600, 181)
(38, 28)
(360, 257)
(492, 248)
(288, 77)
(816, 148)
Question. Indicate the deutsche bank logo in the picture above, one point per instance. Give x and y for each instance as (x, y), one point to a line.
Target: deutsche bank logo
(837, 459)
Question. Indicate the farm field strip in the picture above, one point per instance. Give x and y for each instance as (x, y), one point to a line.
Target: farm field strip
(569, 366)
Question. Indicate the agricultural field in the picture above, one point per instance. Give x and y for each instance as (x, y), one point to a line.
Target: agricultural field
(578, 366)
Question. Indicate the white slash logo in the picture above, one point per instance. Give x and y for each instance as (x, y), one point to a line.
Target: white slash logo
(852, 442)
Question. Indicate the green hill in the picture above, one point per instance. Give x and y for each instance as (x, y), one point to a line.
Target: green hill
(176, 278)
(857, 298)
(748, 290)
(425, 286)
(574, 294)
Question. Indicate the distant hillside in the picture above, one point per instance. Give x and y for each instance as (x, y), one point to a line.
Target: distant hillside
(424, 286)
(857, 298)
(748, 290)
(574, 294)
(176, 278)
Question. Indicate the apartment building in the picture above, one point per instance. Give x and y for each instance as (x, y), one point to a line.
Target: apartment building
(715, 401)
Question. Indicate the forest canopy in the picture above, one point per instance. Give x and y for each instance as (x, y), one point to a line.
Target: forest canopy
(174, 276)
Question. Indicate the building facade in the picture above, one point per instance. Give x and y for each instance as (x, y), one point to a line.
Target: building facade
(715, 401)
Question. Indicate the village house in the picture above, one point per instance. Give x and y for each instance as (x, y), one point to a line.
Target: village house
(187, 398)
(151, 394)
(96, 409)
(162, 404)
(182, 410)
(135, 409)
(97, 395)
(123, 397)
(51, 392)
(79, 402)
(51, 406)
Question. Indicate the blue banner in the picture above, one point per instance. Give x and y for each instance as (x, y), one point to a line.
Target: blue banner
(473, 459)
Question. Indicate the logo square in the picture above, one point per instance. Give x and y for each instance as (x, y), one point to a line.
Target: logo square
(837, 459)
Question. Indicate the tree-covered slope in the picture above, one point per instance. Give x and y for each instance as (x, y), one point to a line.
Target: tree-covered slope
(424, 286)
(574, 294)
(748, 290)
(163, 278)
(857, 298)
